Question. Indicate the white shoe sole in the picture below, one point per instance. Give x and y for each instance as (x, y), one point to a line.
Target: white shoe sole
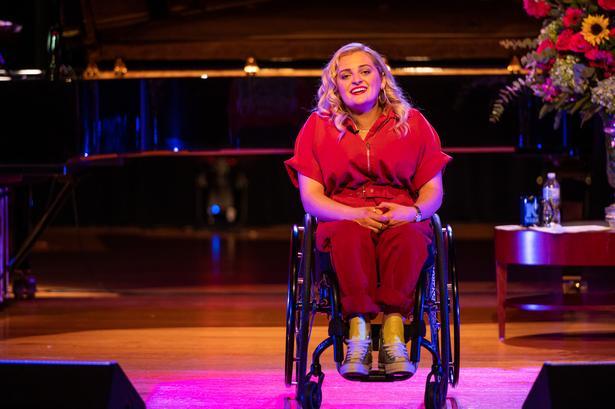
(398, 368)
(354, 369)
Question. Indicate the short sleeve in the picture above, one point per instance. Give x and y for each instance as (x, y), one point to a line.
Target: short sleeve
(431, 159)
(305, 160)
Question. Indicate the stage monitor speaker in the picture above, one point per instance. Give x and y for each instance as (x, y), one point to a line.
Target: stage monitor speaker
(66, 385)
(578, 385)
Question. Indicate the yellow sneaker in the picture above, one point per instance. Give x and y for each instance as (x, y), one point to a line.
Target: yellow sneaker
(393, 359)
(358, 361)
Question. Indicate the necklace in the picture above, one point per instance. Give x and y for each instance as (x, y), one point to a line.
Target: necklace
(373, 118)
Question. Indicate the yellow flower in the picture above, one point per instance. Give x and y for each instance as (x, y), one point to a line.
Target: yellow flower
(595, 29)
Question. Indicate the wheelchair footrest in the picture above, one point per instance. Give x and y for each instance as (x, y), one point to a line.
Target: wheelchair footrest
(378, 375)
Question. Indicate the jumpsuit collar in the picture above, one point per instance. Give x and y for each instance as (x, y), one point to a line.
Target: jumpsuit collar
(386, 115)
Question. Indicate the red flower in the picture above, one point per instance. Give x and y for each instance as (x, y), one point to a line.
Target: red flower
(608, 69)
(601, 59)
(564, 39)
(591, 53)
(537, 8)
(544, 45)
(541, 61)
(607, 4)
(572, 17)
(600, 56)
(579, 44)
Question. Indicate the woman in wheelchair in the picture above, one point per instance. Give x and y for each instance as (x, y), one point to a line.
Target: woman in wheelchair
(369, 166)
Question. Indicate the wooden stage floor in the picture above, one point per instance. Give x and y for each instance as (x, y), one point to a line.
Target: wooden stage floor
(223, 347)
(185, 344)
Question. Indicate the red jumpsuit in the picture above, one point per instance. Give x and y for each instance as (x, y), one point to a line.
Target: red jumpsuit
(376, 271)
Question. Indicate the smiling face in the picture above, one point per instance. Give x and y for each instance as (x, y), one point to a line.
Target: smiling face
(358, 82)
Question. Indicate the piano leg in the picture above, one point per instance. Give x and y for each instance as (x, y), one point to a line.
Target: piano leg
(24, 286)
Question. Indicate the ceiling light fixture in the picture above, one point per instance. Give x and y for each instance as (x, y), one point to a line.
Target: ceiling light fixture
(514, 66)
(251, 67)
(119, 69)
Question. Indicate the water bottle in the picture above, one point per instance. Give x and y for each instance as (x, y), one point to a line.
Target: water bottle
(551, 198)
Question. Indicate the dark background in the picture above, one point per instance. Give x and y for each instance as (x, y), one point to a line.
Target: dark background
(51, 121)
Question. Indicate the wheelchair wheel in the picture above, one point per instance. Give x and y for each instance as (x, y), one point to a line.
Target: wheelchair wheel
(305, 313)
(312, 396)
(291, 303)
(436, 387)
(453, 297)
(24, 287)
(435, 394)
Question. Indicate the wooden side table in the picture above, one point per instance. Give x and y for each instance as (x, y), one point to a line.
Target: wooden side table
(528, 247)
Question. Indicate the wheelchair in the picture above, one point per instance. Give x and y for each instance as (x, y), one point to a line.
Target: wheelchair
(313, 289)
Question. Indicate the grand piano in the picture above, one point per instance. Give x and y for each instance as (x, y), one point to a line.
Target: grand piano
(162, 147)
(59, 133)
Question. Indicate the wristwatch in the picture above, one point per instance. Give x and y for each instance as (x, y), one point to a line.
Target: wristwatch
(419, 215)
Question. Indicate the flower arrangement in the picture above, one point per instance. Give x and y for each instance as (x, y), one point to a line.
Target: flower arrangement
(572, 68)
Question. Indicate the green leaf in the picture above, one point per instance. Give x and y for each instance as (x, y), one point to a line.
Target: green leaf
(589, 113)
(505, 96)
(546, 108)
(560, 104)
(588, 72)
(585, 116)
(579, 104)
(558, 119)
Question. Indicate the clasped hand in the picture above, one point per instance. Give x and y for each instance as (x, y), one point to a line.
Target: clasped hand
(384, 215)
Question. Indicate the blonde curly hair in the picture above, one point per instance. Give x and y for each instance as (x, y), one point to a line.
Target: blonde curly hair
(330, 103)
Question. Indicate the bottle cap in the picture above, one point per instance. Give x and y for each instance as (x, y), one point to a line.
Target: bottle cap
(551, 175)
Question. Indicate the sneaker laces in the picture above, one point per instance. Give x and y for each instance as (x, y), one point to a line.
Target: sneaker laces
(358, 349)
(396, 351)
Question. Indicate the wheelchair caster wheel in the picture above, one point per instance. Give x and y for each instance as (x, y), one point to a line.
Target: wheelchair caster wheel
(24, 288)
(434, 398)
(312, 396)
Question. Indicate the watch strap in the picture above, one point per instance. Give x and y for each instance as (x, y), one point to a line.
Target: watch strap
(419, 214)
